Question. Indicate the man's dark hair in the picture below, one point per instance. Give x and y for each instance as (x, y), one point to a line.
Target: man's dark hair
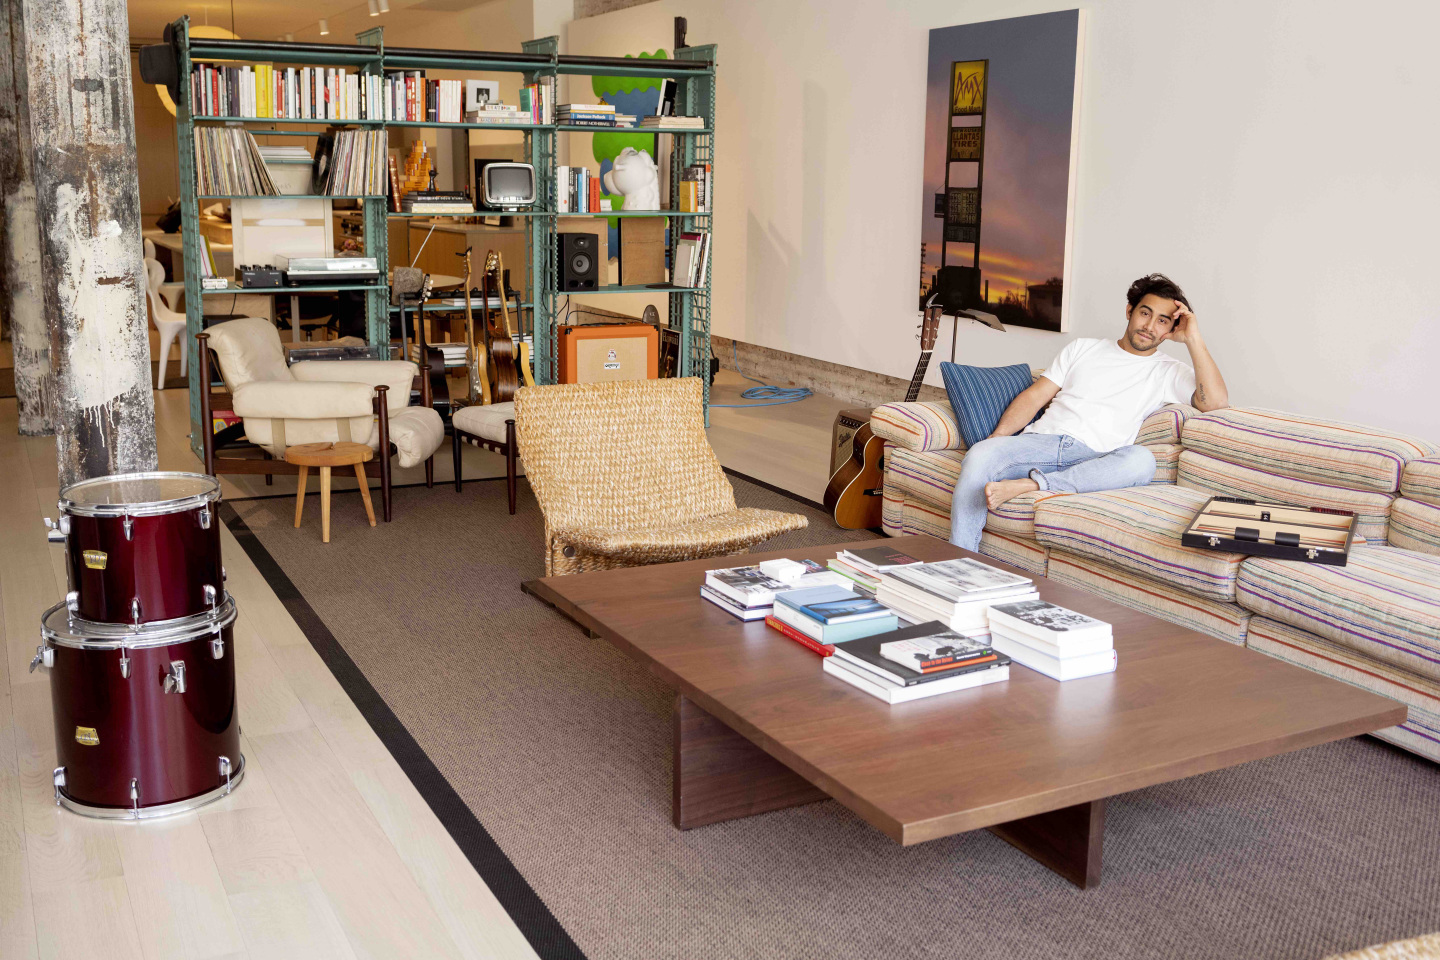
(1158, 284)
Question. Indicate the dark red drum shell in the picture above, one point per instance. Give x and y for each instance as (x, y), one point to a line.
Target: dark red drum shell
(166, 564)
(171, 743)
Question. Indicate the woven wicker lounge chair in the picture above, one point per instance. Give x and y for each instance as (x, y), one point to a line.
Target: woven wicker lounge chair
(625, 476)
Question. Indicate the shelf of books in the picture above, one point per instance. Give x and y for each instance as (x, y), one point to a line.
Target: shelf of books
(345, 96)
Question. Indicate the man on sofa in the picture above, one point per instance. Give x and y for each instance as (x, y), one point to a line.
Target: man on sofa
(1099, 392)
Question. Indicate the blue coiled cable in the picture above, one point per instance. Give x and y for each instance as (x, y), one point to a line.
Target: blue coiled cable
(769, 395)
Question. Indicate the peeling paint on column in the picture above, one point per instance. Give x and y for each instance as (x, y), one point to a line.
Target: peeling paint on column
(88, 209)
(20, 239)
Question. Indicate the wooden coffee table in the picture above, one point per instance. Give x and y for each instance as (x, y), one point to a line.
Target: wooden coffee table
(758, 726)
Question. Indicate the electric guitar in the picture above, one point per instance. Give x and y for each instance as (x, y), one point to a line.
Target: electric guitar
(479, 389)
(527, 365)
(853, 493)
(499, 341)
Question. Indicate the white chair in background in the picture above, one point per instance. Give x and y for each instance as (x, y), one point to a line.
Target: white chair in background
(167, 321)
(170, 291)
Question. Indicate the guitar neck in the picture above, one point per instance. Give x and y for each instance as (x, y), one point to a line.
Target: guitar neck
(921, 366)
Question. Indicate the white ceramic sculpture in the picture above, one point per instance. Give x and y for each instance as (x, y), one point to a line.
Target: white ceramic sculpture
(636, 176)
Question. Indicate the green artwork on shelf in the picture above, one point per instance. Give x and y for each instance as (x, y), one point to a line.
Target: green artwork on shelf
(632, 95)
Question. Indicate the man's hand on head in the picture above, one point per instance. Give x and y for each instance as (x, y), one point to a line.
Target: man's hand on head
(1185, 328)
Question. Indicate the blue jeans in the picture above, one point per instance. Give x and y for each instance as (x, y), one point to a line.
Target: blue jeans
(1055, 461)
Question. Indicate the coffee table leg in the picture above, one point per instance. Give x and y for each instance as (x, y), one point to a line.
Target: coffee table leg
(719, 775)
(1067, 840)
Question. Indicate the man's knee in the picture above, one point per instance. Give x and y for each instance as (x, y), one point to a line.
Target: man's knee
(985, 457)
(1138, 463)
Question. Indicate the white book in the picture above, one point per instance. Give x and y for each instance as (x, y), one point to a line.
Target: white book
(731, 607)
(959, 579)
(893, 693)
(749, 587)
(684, 266)
(900, 588)
(1056, 668)
(1057, 626)
(1073, 648)
(962, 618)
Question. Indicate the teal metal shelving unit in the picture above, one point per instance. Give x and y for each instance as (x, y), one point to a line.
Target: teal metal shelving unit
(693, 69)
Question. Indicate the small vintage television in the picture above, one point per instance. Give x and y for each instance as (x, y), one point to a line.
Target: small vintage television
(507, 186)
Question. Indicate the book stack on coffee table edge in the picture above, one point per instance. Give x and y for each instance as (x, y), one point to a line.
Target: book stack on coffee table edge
(1053, 640)
(748, 593)
(819, 617)
(955, 592)
(864, 568)
(915, 662)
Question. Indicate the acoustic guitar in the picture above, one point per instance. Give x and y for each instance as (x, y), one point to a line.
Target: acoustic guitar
(499, 340)
(853, 493)
(435, 389)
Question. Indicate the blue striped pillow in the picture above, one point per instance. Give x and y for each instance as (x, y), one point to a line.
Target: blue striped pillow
(979, 395)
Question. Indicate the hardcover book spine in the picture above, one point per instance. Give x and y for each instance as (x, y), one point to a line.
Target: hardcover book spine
(814, 646)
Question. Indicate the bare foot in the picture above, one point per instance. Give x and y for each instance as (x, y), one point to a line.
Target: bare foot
(1002, 490)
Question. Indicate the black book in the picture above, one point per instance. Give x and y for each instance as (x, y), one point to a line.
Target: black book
(883, 557)
(866, 651)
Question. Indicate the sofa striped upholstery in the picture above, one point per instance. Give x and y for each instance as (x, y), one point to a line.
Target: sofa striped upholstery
(1019, 552)
(1384, 604)
(1415, 525)
(920, 426)
(1305, 448)
(901, 515)
(1214, 476)
(1164, 425)
(1017, 517)
(925, 475)
(1215, 618)
(1138, 530)
(1421, 480)
(1167, 461)
(1420, 733)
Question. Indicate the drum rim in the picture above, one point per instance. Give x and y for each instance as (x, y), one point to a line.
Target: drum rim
(117, 636)
(149, 508)
(158, 810)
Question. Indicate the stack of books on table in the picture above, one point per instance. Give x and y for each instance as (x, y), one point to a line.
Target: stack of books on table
(749, 594)
(454, 354)
(864, 568)
(1055, 641)
(819, 617)
(672, 123)
(955, 592)
(916, 662)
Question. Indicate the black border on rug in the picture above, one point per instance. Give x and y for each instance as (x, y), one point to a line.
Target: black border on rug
(530, 914)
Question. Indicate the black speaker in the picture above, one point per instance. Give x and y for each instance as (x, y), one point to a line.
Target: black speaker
(579, 260)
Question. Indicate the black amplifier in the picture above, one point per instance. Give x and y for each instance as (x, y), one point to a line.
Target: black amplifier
(259, 276)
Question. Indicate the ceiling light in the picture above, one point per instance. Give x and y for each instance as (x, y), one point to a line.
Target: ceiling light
(374, 10)
(384, 6)
(324, 29)
(289, 38)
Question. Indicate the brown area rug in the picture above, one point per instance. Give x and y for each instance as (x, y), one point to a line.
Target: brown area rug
(546, 753)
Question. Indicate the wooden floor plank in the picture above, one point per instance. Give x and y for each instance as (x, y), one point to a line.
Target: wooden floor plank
(267, 704)
(384, 913)
(87, 921)
(17, 914)
(290, 922)
(182, 911)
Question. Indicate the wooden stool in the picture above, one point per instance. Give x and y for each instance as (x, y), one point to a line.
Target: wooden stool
(325, 456)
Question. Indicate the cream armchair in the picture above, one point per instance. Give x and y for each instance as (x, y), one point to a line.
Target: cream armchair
(364, 401)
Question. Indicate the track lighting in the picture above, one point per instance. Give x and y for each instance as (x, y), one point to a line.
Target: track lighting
(384, 6)
(324, 29)
(374, 10)
(289, 38)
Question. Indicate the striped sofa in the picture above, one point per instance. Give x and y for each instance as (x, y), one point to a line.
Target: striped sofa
(1374, 622)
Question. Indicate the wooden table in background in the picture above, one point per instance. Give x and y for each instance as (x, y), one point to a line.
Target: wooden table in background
(758, 726)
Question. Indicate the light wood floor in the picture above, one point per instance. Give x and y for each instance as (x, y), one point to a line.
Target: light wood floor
(326, 850)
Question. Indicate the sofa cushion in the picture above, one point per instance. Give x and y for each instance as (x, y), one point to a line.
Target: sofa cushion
(484, 420)
(1215, 618)
(901, 515)
(926, 476)
(1138, 529)
(1305, 448)
(1421, 480)
(979, 395)
(919, 426)
(1017, 516)
(1214, 476)
(398, 375)
(1167, 461)
(1384, 603)
(1420, 733)
(1163, 426)
(416, 432)
(248, 349)
(1021, 552)
(1415, 526)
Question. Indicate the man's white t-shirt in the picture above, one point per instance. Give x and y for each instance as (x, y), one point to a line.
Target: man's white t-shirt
(1106, 393)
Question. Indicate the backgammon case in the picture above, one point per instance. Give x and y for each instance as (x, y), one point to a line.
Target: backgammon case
(1279, 530)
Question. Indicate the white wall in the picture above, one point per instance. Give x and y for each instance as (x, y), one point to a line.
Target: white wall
(1276, 157)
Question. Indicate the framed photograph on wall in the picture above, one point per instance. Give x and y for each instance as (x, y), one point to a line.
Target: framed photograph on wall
(1001, 136)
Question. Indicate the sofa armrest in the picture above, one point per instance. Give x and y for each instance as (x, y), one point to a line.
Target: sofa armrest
(1164, 425)
(398, 375)
(296, 400)
(919, 426)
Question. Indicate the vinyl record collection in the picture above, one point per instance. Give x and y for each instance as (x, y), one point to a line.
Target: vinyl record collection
(228, 163)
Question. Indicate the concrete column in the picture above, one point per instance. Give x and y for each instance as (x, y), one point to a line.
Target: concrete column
(20, 281)
(87, 203)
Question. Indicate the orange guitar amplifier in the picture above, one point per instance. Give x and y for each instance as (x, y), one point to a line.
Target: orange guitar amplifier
(597, 352)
